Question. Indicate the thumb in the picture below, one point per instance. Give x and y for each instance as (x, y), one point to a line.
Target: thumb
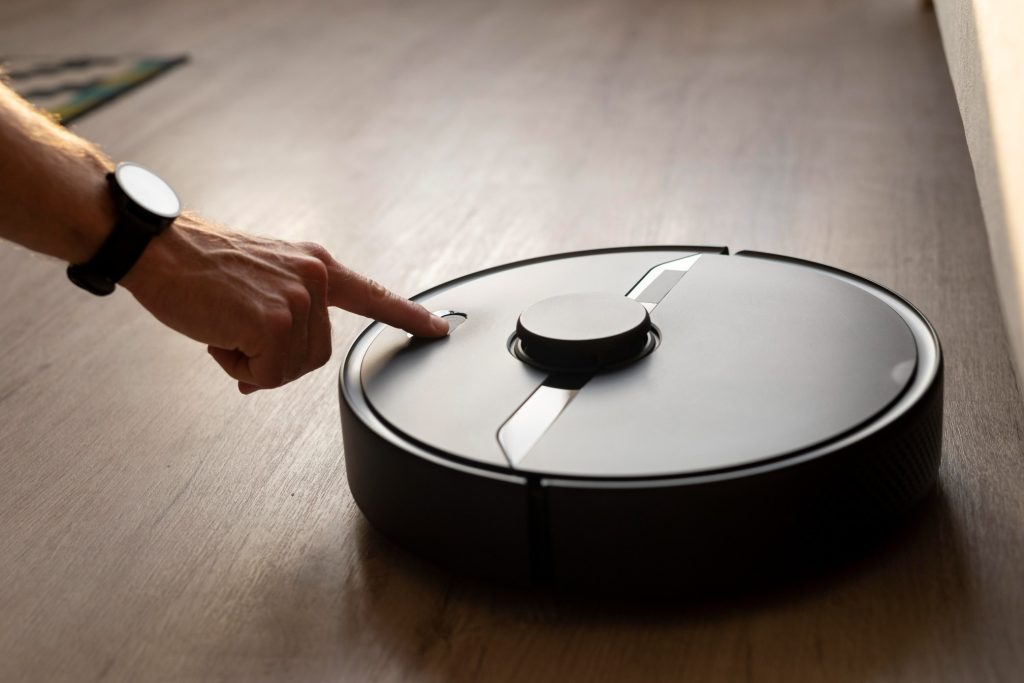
(235, 364)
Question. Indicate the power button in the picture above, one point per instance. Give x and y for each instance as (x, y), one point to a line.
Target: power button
(453, 318)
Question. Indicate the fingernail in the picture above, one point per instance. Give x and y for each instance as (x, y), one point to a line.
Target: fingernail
(440, 324)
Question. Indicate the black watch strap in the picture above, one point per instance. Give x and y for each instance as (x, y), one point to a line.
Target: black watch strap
(116, 256)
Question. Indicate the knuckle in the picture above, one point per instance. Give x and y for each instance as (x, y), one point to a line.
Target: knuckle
(313, 270)
(317, 251)
(299, 299)
(278, 322)
(377, 292)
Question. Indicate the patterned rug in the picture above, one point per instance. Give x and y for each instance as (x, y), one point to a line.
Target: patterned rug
(72, 87)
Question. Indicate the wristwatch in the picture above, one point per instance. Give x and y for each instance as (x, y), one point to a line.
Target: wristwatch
(146, 205)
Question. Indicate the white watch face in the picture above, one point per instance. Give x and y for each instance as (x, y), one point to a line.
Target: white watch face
(148, 190)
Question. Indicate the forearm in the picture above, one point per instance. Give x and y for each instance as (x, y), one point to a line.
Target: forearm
(54, 198)
(259, 304)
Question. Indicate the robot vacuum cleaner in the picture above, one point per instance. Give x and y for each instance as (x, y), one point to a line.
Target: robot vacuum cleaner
(643, 416)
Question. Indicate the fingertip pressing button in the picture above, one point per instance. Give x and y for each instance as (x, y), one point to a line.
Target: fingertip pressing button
(453, 318)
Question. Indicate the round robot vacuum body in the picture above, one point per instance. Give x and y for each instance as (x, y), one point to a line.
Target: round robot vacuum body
(643, 415)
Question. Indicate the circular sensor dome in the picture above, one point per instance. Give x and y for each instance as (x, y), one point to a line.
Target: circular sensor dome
(669, 412)
(588, 331)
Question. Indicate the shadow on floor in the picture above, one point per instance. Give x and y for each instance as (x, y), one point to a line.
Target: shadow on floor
(849, 619)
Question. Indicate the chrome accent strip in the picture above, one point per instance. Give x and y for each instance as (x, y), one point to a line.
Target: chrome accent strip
(521, 431)
(679, 265)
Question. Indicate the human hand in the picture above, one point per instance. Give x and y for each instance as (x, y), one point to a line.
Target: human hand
(260, 304)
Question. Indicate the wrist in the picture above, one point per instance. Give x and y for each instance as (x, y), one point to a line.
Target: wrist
(88, 219)
(162, 256)
(144, 206)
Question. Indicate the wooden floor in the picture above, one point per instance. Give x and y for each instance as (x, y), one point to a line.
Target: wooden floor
(156, 525)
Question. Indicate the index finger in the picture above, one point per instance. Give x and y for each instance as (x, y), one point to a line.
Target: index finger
(363, 296)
